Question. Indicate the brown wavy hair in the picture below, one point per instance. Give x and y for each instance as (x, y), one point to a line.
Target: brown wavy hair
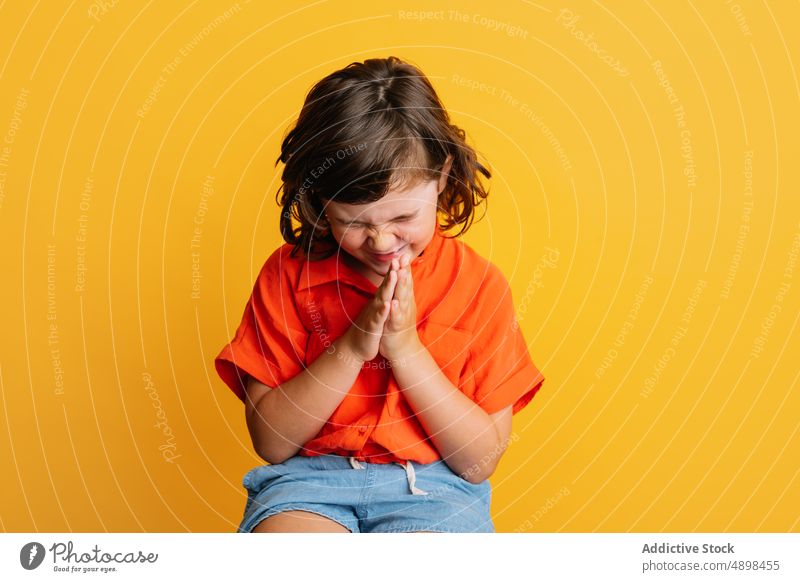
(362, 130)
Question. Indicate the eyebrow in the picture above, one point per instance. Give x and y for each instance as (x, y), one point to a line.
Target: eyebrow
(406, 215)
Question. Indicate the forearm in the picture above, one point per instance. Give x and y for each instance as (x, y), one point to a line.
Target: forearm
(290, 415)
(461, 431)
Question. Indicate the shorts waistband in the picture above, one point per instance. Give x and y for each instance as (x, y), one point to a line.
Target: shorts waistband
(410, 474)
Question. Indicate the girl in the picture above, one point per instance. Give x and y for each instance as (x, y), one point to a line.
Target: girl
(380, 361)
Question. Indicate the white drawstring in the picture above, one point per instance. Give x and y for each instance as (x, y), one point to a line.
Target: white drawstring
(412, 478)
(410, 475)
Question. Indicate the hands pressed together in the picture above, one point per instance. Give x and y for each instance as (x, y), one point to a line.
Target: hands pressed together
(388, 323)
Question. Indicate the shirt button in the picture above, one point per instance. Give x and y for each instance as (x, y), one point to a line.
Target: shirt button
(362, 429)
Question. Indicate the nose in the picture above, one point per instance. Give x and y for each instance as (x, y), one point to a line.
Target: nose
(380, 242)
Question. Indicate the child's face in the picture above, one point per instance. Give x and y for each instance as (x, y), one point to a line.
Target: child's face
(403, 222)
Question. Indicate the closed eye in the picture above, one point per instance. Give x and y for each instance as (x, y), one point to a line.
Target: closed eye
(398, 219)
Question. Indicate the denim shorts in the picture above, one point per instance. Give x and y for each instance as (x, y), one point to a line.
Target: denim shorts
(369, 497)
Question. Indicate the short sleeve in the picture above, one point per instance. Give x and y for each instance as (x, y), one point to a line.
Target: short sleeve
(503, 371)
(270, 342)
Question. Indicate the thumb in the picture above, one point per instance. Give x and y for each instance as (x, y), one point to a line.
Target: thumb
(389, 325)
(384, 313)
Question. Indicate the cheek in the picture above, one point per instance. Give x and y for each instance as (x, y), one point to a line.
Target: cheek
(348, 238)
(418, 234)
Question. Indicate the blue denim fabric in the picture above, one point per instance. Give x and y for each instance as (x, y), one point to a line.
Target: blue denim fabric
(375, 499)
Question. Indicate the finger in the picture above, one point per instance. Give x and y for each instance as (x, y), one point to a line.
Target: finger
(398, 269)
(406, 292)
(391, 284)
(404, 283)
(392, 267)
(397, 286)
(387, 323)
(387, 280)
(386, 276)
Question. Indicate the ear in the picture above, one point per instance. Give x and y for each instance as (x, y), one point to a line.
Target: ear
(322, 226)
(448, 163)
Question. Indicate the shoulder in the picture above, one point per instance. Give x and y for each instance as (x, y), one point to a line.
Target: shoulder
(280, 272)
(471, 288)
(478, 274)
(281, 263)
(492, 303)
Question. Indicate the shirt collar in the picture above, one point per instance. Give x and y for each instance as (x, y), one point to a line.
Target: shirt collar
(334, 267)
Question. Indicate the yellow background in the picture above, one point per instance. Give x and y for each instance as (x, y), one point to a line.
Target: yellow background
(643, 207)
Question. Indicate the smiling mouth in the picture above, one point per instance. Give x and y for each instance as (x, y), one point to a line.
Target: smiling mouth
(386, 257)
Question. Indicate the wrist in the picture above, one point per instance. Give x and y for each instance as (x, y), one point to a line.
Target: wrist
(405, 355)
(345, 350)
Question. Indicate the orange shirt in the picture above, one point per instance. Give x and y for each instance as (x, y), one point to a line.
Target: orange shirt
(466, 320)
